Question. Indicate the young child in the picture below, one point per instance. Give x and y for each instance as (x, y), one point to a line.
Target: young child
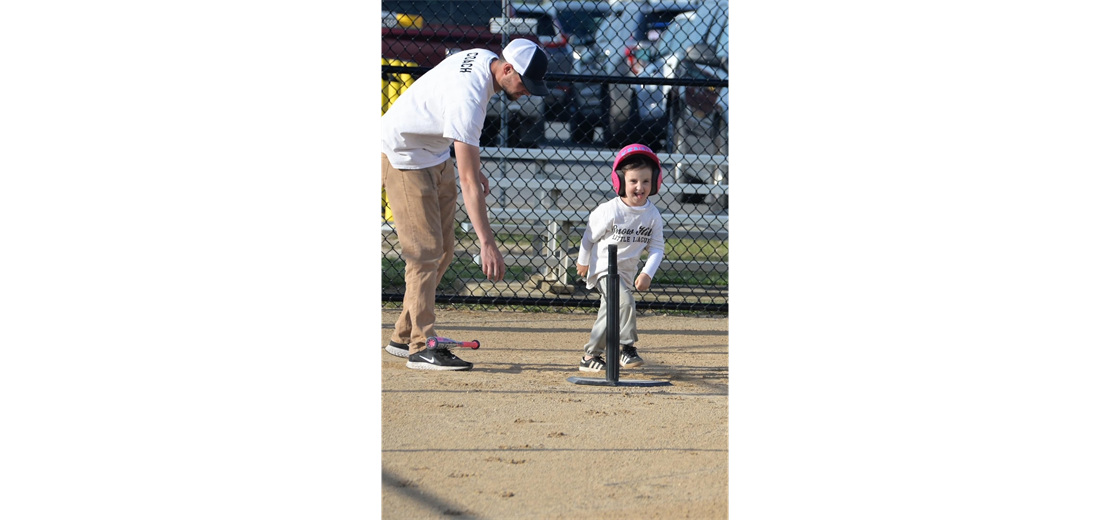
(633, 223)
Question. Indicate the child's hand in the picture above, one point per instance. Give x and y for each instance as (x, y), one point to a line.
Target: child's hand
(582, 269)
(643, 282)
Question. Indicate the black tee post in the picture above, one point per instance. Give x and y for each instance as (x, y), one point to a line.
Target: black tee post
(612, 334)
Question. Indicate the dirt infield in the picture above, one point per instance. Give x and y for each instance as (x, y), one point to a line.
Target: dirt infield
(513, 439)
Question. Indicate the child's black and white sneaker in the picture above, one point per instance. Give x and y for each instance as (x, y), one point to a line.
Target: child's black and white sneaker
(629, 357)
(592, 364)
(437, 359)
(397, 349)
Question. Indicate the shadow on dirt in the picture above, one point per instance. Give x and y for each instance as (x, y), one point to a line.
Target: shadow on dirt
(713, 380)
(425, 498)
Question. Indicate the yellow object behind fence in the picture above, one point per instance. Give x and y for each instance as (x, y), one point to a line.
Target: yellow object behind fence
(392, 87)
(410, 20)
(387, 215)
(394, 84)
(403, 20)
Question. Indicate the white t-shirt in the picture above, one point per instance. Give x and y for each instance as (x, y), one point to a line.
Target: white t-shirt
(446, 104)
(632, 228)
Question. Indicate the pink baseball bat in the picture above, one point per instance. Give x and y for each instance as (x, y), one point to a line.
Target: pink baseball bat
(442, 342)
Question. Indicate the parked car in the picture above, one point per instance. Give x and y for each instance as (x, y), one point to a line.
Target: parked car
(696, 47)
(551, 36)
(525, 117)
(581, 20)
(623, 47)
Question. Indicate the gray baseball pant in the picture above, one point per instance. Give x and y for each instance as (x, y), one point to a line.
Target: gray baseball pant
(628, 336)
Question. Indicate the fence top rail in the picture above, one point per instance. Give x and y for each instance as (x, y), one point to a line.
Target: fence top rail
(581, 78)
(503, 214)
(568, 185)
(604, 156)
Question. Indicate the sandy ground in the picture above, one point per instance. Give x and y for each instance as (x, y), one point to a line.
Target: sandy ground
(513, 439)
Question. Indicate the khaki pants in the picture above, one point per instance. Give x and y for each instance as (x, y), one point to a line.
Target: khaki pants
(423, 205)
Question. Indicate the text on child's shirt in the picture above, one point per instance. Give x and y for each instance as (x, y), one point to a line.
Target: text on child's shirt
(640, 234)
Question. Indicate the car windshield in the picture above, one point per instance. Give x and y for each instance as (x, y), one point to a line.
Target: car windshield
(544, 25)
(581, 24)
(706, 25)
(717, 32)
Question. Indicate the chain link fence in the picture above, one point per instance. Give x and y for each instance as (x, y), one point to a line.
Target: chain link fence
(622, 72)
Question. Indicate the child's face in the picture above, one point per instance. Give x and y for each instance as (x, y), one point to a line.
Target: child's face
(637, 186)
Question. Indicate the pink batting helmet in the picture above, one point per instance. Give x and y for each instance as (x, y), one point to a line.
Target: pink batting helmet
(629, 151)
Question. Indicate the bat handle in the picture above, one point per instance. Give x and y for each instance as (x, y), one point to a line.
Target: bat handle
(437, 342)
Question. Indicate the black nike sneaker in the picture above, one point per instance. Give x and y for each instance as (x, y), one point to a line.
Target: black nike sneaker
(437, 359)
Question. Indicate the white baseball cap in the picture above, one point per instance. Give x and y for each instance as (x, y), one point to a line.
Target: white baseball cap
(530, 61)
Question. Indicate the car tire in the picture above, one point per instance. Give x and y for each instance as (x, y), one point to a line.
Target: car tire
(603, 118)
(718, 202)
(581, 130)
(655, 136)
(525, 133)
(522, 133)
(621, 113)
(690, 198)
(677, 146)
(681, 175)
(566, 108)
(670, 137)
(490, 130)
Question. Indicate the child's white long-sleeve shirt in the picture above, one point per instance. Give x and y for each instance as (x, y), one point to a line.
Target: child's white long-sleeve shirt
(632, 228)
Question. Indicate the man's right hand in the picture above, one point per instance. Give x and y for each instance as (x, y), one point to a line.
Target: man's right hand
(583, 270)
(493, 264)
